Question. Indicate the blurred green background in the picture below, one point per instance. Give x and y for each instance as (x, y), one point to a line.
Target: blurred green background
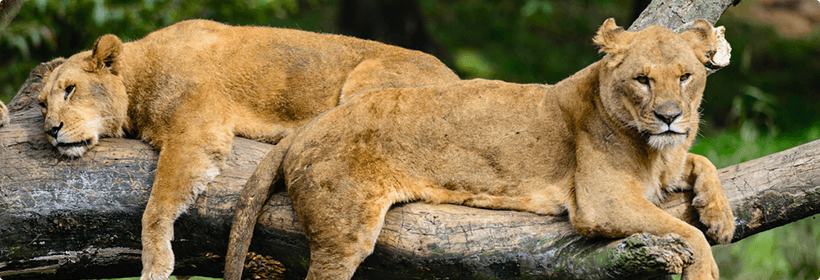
(766, 101)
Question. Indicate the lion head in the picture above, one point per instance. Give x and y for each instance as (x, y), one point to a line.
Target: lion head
(653, 80)
(84, 99)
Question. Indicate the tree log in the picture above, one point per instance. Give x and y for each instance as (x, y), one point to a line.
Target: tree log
(64, 218)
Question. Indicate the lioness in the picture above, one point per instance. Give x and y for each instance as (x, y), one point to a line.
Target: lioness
(189, 88)
(4, 114)
(602, 146)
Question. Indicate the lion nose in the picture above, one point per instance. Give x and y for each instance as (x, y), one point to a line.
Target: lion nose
(667, 112)
(54, 130)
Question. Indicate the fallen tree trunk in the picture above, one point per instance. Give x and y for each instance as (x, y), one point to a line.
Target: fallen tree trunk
(64, 218)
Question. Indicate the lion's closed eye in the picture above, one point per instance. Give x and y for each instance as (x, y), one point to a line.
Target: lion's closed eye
(68, 91)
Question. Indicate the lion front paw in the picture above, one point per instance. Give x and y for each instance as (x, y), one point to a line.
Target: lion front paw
(710, 200)
(157, 260)
(155, 271)
(702, 272)
(716, 213)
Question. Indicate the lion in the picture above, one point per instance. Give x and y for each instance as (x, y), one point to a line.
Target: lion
(189, 88)
(4, 114)
(602, 146)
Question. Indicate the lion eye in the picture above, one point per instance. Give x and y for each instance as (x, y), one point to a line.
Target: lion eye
(685, 77)
(68, 91)
(642, 79)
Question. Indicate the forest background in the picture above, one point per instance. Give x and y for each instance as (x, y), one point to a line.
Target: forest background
(765, 101)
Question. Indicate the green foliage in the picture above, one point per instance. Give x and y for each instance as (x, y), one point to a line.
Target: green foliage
(771, 83)
(532, 41)
(788, 253)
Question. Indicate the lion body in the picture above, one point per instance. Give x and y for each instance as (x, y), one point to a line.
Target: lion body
(188, 89)
(602, 146)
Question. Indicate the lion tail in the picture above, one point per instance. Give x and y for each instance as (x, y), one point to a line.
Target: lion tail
(249, 206)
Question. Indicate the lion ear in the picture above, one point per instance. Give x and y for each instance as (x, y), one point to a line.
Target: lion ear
(611, 38)
(105, 53)
(44, 69)
(702, 39)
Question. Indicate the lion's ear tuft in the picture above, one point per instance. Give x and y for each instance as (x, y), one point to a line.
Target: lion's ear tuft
(106, 51)
(702, 39)
(611, 38)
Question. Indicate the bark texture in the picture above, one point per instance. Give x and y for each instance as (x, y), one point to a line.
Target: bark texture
(673, 14)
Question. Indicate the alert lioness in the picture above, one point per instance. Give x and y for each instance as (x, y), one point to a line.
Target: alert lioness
(188, 89)
(602, 146)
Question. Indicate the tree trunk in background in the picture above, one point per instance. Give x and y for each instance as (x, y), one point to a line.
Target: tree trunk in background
(64, 218)
(9, 9)
(673, 14)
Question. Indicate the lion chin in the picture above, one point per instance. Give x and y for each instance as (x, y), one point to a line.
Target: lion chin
(661, 135)
(667, 139)
(73, 149)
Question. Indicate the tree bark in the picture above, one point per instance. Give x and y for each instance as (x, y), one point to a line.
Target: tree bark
(63, 218)
(9, 9)
(673, 14)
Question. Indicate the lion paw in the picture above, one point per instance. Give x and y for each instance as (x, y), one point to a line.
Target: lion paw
(702, 271)
(155, 273)
(716, 213)
(157, 261)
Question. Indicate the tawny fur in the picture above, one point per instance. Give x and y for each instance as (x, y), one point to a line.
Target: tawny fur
(602, 146)
(188, 89)
(4, 114)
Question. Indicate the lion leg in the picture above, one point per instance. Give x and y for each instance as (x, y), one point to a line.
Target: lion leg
(342, 221)
(710, 199)
(627, 215)
(183, 171)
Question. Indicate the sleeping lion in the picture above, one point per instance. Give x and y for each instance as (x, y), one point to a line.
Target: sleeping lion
(189, 88)
(602, 146)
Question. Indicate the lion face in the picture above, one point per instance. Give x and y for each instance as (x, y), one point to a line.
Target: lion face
(84, 99)
(653, 80)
